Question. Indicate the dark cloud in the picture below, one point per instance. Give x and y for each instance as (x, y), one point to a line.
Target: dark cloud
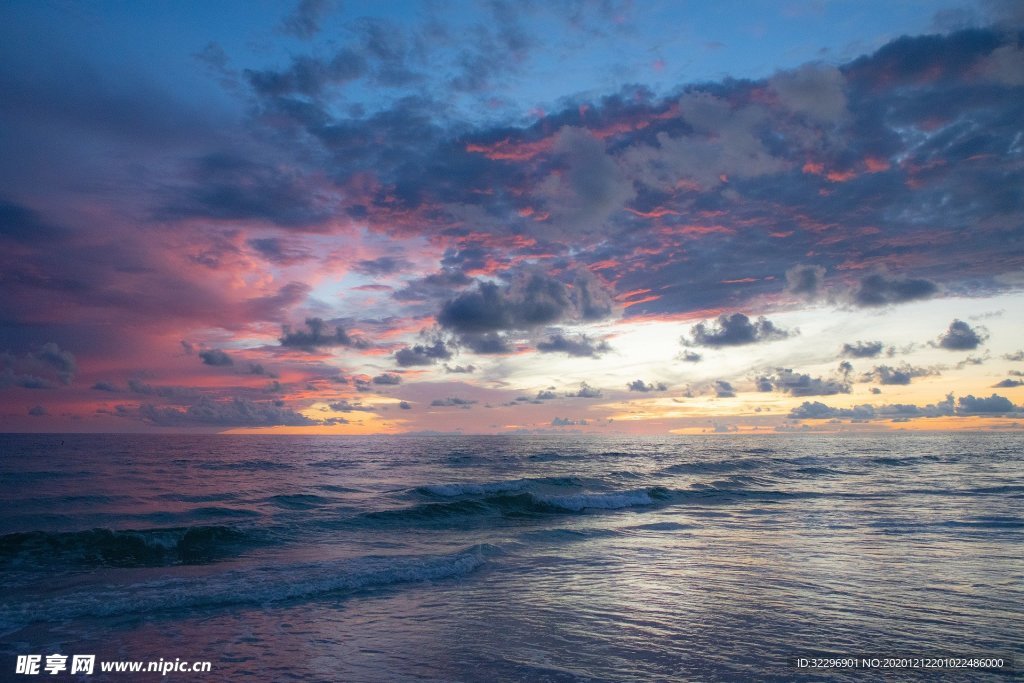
(383, 265)
(421, 354)
(21, 224)
(880, 290)
(306, 76)
(819, 411)
(344, 406)
(405, 405)
(137, 386)
(237, 412)
(105, 386)
(434, 286)
(734, 330)
(965, 405)
(546, 395)
(585, 391)
(640, 385)
(44, 368)
(304, 21)
(690, 356)
(452, 401)
(805, 281)
(567, 422)
(899, 375)
(993, 405)
(231, 188)
(1009, 384)
(962, 337)
(724, 389)
(387, 378)
(862, 349)
(1016, 356)
(278, 250)
(318, 336)
(38, 411)
(799, 384)
(215, 357)
(534, 301)
(460, 369)
(581, 347)
(486, 343)
(258, 369)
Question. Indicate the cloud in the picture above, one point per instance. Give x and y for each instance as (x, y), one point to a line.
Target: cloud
(1016, 356)
(21, 224)
(690, 356)
(962, 337)
(813, 90)
(227, 187)
(799, 384)
(383, 265)
(278, 250)
(405, 405)
(488, 343)
(641, 386)
(541, 301)
(585, 391)
(880, 290)
(238, 412)
(344, 406)
(215, 357)
(304, 21)
(387, 378)
(44, 368)
(567, 422)
(38, 411)
(724, 389)
(900, 375)
(581, 347)
(421, 354)
(862, 349)
(105, 386)
(478, 316)
(590, 187)
(258, 369)
(964, 406)
(993, 405)
(546, 395)
(137, 386)
(452, 401)
(460, 369)
(317, 336)
(805, 281)
(734, 330)
(1009, 384)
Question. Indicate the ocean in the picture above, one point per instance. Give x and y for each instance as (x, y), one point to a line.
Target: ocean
(512, 558)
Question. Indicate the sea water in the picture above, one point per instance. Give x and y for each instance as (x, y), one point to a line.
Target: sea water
(460, 558)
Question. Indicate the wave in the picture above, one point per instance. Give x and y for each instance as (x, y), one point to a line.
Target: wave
(298, 501)
(127, 548)
(253, 586)
(717, 466)
(455, 490)
(518, 503)
(614, 500)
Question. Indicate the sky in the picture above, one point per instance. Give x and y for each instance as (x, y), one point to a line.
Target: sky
(587, 216)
